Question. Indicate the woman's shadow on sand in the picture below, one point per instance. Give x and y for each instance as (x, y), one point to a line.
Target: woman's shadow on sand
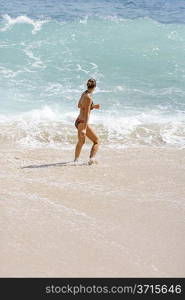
(61, 164)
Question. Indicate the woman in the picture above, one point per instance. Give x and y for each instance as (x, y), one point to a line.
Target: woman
(86, 105)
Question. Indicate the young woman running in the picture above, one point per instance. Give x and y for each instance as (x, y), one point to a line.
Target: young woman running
(85, 104)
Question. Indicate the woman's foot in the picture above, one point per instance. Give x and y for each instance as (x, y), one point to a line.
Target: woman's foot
(92, 161)
(76, 161)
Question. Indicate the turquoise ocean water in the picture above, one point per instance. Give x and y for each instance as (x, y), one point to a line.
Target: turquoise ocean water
(134, 49)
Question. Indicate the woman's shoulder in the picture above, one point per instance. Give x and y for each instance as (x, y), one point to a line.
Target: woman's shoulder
(86, 96)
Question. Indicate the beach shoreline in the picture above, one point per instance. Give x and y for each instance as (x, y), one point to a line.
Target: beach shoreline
(121, 218)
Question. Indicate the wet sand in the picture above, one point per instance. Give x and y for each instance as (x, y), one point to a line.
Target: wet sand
(124, 217)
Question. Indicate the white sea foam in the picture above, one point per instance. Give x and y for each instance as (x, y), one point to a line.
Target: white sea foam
(7, 73)
(37, 61)
(174, 133)
(50, 126)
(10, 22)
(79, 68)
(94, 66)
(175, 36)
(84, 21)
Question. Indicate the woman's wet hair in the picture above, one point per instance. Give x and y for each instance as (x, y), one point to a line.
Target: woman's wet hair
(91, 83)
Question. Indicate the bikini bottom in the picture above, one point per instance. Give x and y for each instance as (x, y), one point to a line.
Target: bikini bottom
(78, 121)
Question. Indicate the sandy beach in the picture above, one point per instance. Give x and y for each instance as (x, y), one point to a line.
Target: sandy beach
(121, 218)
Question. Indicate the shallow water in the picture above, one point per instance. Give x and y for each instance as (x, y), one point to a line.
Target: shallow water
(135, 50)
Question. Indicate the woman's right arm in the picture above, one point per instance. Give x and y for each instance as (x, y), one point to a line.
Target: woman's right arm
(96, 106)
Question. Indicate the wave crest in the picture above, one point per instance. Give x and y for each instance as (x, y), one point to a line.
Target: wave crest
(51, 127)
(10, 22)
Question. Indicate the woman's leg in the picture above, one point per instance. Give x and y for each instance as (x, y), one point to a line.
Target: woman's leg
(81, 141)
(95, 139)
